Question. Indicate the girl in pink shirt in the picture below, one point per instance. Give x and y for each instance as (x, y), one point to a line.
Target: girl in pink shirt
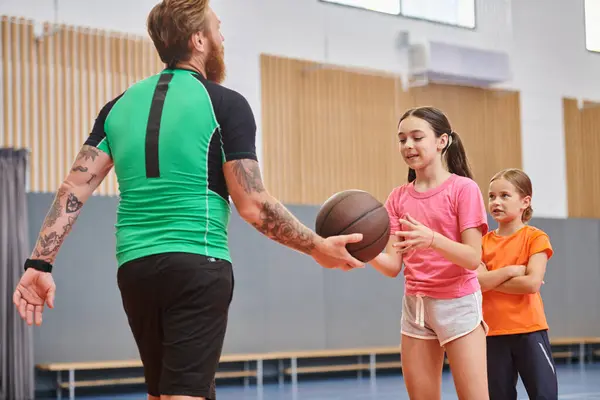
(437, 222)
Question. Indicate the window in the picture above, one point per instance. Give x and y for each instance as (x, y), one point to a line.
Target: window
(592, 27)
(383, 6)
(452, 12)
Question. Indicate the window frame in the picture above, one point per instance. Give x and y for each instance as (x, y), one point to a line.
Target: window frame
(585, 31)
(335, 3)
(400, 14)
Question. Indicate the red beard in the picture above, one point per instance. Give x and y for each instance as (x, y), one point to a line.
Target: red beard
(215, 64)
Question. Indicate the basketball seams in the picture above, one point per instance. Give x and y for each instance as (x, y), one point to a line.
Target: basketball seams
(359, 218)
(385, 233)
(342, 213)
(332, 206)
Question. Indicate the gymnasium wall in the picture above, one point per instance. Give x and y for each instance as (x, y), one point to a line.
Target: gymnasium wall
(282, 300)
(551, 63)
(329, 129)
(582, 131)
(53, 89)
(548, 62)
(275, 286)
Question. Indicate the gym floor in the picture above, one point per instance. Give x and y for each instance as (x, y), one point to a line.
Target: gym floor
(575, 382)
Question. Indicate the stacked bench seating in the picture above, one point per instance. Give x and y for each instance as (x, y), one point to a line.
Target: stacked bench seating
(289, 364)
(71, 367)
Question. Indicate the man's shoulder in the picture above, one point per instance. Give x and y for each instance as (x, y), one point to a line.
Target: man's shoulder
(108, 107)
(225, 95)
(133, 92)
(231, 108)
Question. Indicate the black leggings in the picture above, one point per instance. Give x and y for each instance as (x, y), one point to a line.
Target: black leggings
(528, 355)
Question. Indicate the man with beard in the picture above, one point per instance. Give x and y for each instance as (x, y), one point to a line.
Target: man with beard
(181, 145)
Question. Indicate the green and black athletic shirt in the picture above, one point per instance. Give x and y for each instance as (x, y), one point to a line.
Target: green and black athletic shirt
(169, 136)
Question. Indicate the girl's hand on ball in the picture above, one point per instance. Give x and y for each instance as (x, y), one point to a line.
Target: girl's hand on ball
(416, 235)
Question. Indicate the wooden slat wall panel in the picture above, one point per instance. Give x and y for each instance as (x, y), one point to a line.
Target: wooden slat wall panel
(343, 123)
(487, 121)
(279, 95)
(326, 129)
(582, 146)
(53, 89)
(590, 124)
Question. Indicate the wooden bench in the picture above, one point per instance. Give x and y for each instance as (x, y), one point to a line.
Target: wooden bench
(354, 359)
(294, 370)
(359, 365)
(255, 358)
(71, 367)
(584, 343)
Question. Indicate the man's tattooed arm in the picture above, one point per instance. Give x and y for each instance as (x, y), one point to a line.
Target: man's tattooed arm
(86, 154)
(58, 224)
(247, 174)
(276, 222)
(263, 211)
(89, 169)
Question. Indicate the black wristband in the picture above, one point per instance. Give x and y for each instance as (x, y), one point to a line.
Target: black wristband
(40, 265)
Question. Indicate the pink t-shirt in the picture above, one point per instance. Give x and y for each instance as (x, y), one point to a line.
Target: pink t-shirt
(449, 209)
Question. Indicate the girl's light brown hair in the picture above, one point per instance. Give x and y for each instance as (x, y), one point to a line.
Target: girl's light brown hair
(520, 180)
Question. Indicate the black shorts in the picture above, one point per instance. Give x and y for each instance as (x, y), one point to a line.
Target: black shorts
(528, 355)
(177, 306)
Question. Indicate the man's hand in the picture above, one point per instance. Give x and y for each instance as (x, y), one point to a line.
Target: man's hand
(332, 252)
(35, 289)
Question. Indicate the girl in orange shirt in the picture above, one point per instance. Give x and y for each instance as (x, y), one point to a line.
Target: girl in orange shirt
(514, 263)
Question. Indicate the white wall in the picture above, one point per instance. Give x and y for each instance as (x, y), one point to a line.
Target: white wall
(548, 61)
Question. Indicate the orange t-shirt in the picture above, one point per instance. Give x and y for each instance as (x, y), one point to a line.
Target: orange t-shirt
(508, 314)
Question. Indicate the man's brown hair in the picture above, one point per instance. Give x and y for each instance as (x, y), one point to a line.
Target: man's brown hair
(171, 23)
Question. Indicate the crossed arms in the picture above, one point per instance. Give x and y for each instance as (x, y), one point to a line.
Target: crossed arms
(515, 279)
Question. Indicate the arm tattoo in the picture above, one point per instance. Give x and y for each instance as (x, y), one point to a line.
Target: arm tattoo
(73, 204)
(80, 168)
(49, 243)
(66, 207)
(89, 182)
(54, 212)
(247, 174)
(58, 224)
(88, 152)
(274, 220)
(278, 224)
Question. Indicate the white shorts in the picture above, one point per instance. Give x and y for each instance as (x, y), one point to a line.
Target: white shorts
(442, 319)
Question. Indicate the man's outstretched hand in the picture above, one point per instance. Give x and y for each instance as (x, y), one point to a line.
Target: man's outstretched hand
(34, 290)
(332, 252)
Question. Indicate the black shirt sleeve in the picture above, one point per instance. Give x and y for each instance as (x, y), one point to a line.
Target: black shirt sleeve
(97, 137)
(238, 127)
